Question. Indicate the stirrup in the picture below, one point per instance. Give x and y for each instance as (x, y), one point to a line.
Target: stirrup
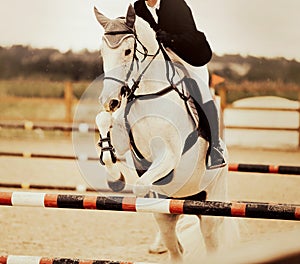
(217, 166)
(216, 159)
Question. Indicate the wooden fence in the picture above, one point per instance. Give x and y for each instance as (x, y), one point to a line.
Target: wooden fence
(223, 92)
(69, 101)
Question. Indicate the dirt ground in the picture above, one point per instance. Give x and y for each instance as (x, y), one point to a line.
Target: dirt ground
(119, 235)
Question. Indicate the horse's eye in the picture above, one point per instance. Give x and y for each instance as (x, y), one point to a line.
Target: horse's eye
(113, 104)
(127, 52)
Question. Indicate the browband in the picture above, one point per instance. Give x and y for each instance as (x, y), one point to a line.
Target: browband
(113, 33)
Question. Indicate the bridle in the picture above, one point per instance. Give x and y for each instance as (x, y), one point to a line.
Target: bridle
(129, 92)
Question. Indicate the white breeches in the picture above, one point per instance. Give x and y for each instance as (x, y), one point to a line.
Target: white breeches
(199, 74)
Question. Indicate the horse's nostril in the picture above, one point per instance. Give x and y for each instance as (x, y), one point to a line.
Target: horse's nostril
(113, 104)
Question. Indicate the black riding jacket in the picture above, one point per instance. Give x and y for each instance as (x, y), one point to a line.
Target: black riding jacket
(175, 17)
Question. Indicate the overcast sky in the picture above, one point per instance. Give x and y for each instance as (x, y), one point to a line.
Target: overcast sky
(267, 28)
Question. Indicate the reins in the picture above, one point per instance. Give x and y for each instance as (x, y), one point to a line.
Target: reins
(128, 92)
(130, 95)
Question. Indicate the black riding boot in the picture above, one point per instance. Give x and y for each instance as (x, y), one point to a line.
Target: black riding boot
(215, 150)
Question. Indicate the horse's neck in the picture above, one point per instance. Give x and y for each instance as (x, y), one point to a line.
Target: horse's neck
(155, 78)
(158, 76)
(146, 35)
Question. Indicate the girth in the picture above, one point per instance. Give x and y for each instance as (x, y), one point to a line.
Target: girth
(140, 162)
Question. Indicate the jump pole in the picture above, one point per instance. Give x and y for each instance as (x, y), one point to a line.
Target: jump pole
(259, 168)
(78, 188)
(28, 186)
(46, 156)
(152, 205)
(28, 125)
(13, 259)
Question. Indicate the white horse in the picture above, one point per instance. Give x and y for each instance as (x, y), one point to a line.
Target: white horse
(147, 135)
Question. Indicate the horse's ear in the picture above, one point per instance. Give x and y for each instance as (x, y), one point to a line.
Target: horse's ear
(130, 17)
(102, 19)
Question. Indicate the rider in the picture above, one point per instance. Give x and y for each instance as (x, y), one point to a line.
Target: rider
(175, 28)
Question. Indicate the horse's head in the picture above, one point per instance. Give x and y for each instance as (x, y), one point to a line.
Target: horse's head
(118, 51)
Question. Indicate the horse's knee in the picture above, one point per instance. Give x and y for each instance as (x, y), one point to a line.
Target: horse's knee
(167, 226)
(166, 219)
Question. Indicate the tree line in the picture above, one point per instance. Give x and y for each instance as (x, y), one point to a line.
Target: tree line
(256, 69)
(27, 62)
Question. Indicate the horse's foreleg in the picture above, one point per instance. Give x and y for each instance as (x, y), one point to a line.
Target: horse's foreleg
(167, 227)
(211, 228)
(164, 161)
(115, 179)
(158, 246)
(104, 124)
(214, 228)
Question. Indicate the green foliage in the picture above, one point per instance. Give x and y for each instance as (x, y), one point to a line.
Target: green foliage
(236, 68)
(31, 88)
(79, 88)
(36, 110)
(26, 62)
(236, 91)
(29, 72)
(50, 64)
(39, 88)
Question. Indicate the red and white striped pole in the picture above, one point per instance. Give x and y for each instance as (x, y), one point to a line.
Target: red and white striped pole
(12, 259)
(153, 205)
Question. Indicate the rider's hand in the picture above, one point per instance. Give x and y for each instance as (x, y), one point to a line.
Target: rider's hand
(165, 38)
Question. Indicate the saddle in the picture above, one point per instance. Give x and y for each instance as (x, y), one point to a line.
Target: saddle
(194, 109)
(193, 101)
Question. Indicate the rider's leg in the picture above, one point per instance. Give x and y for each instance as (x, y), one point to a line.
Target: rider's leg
(201, 76)
(216, 152)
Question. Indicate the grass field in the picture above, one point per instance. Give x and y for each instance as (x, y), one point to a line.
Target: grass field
(24, 109)
(236, 91)
(39, 88)
(36, 99)
(55, 89)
